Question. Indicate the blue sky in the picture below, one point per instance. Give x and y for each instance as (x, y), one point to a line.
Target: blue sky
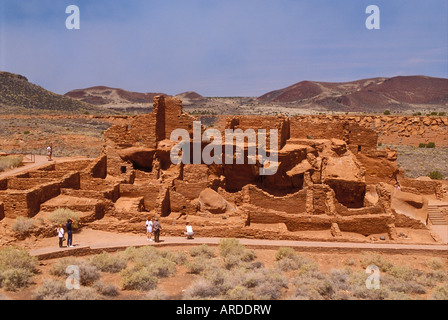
(219, 47)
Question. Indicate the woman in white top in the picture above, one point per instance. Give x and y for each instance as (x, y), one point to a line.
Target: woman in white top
(60, 235)
(149, 225)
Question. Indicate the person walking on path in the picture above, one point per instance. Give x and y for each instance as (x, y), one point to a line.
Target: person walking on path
(156, 228)
(189, 233)
(50, 152)
(61, 235)
(69, 233)
(149, 226)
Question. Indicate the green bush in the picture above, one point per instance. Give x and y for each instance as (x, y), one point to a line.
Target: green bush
(436, 175)
(88, 273)
(143, 255)
(17, 268)
(14, 279)
(386, 112)
(162, 267)
(178, 257)
(197, 265)
(233, 252)
(240, 293)
(107, 262)
(430, 145)
(285, 252)
(104, 289)
(10, 162)
(138, 278)
(23, 225)
(436, 264)
(17, 258)
(441, 292)
(203, 250)
(60, 216)
(51, 289)
(288, 259)
(370, 258)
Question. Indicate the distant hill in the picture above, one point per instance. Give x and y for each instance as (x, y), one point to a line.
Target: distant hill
(101, 95)
(191, 95)
(17, 91)
(367, 94)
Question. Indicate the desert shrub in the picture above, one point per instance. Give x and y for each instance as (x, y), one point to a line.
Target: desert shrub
(240, 293)
(386, 112)
(17, 258)
(83, 293)
(105, 289)
(196, 265)
(288, 259)
(284, 252)
(17, 268)
(312, 286)
(440, 292)
(433, 278)
(143, 255)
(156, 295)
(228, 247)
(202, 250)
(394, 284)
(138, 278)
(271, 287)
(51, 290)
(10, 162)
(371, 258)
(436, 175)
(436, 264)
(162, 267)
(88, 273)
(108, 263)
(430, 145)
(23, 225)
(59, 268)
(422, 145)
(201, 289)
(253, 279)
(60, 216)
(14, 279)
(404, 273)
(178, 257)
(234, 253)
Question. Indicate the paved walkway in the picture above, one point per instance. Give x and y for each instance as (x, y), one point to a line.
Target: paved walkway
(93, 241)
(40, 161)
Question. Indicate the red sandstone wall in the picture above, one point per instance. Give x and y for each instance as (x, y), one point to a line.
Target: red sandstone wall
(292, 204)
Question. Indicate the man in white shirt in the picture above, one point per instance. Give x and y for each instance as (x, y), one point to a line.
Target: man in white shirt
(189, 232)
(149, 225)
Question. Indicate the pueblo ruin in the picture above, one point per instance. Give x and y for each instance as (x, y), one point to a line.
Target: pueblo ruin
(331, 184)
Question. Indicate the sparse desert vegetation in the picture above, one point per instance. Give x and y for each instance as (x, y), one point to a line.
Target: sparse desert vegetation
(230, 271)
(421, 162)
(10, 162)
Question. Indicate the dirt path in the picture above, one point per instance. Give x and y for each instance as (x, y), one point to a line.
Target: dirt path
(94, 241)
(39, 162)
